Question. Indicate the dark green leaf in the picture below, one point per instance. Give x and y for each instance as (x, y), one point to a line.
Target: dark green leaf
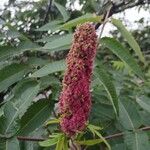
(60, 42)
(63, 11)
(35, 62)
(10, 144)
(104, 78)
(47, 81)
(35, 116)
(102, 112)
(53, 25)
(128, 115)
(137, 140)
(94, 130)
(22, 90)
(50, 38)
(28, 45)
(144, 102)
(66, 47)
(130, 39)
(11, 74)
(81, 20)
(145, 117)
(14, 33)
(7, 127)
(50, 68)
(122, 53)
(9, 52)
(25, 99)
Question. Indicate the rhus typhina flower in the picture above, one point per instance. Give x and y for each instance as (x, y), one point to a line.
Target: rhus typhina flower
(75, 98)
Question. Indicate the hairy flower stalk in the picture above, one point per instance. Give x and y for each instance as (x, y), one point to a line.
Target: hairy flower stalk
(75, 98)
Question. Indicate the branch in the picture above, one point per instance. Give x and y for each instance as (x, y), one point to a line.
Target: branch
(104, 22)
(109, 137)
(121, 7)
(48, 11)
(23, 138)
(121, 133)
(139, 2)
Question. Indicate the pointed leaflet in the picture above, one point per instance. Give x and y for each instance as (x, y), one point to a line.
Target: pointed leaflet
(57, 49)
(122, 53)
(13, 32)
(130, 39)
(35, 116)
(11, 74)
(35, 62)
(48, 80)
(59, 42)
(54, 138)
(137, 140)
(144, 102)
(50, 68)
(63, 11)
(145, 119)
(6, 52)
(90, 142)
(9, 112)
(103, 139)
(25, 100)
(10, 144)
(25, 95)
(128, 115)
(9, 52)
(53, 25)
(20, 91)
(104, 78)
(49, 142)
(101, 111)
(60, 143)
(81, 20)
(53, 121)
(94, 130)
(50, 38)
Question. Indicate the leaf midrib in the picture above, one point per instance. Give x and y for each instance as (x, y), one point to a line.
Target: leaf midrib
(136, 141)
(34, 117)
(128, 116)
(17, 112)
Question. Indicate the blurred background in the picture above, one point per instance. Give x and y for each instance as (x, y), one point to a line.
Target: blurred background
(33, 47)
(28, 15)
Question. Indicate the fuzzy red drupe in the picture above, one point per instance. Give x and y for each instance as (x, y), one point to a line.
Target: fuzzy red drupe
(75, 98)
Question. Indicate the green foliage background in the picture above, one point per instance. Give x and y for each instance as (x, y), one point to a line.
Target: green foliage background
(34, 41)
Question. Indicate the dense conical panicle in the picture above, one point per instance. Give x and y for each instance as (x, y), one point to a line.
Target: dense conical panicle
(75, 98)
